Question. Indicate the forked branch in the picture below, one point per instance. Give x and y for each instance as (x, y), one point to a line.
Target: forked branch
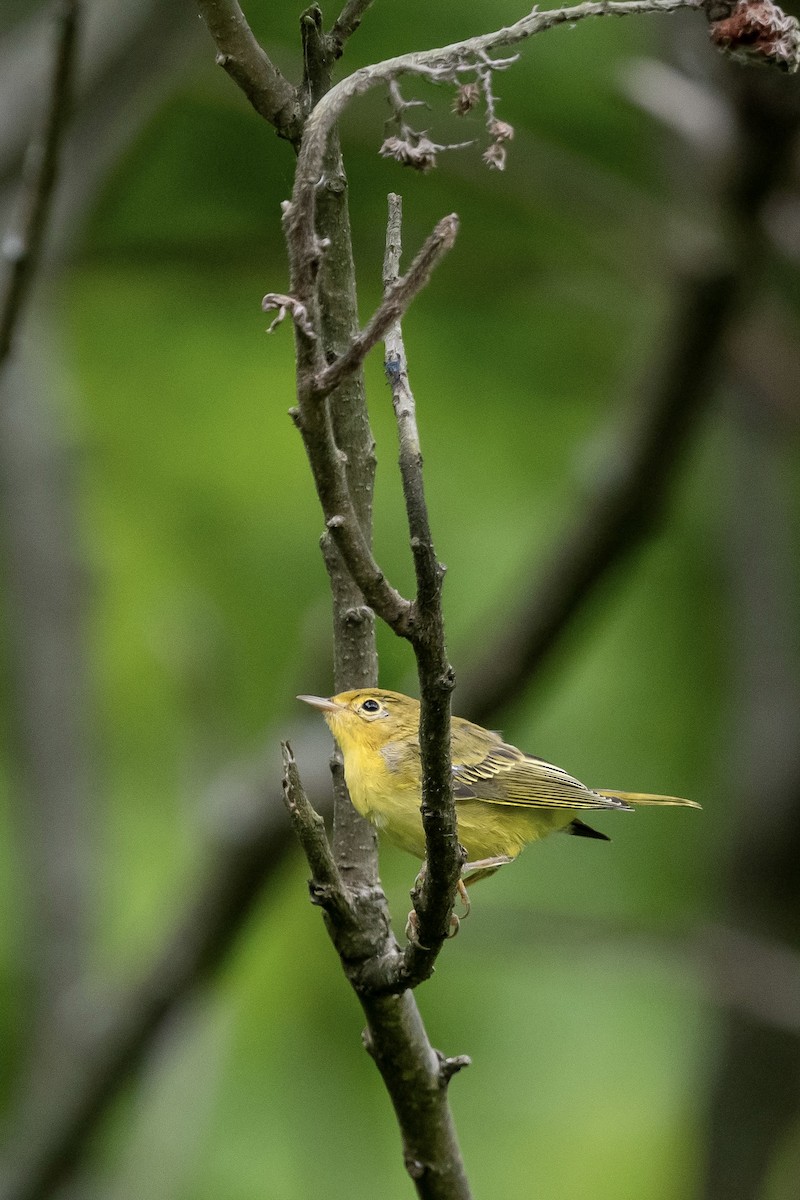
(398, 297)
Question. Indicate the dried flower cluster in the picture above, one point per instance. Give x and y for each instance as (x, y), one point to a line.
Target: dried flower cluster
(757, 31)
(469, 95)
(413, 148)
(501, 132)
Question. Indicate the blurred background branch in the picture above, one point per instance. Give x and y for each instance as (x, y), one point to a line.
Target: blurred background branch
(247, 843)
(22, 243)
(755, 1095)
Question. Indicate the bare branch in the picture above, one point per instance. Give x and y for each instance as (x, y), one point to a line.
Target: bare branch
(326, 886)
(346, 25)
(396, 301)
(341, 519)
(22, 245)
(249, 66)
(433, 901)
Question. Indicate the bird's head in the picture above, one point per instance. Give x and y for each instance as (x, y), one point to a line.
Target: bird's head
(368, 716)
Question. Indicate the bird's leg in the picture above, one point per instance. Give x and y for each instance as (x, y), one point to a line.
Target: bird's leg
(412, 922)
(482, 868)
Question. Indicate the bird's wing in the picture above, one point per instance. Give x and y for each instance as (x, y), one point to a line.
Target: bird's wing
(502, 774)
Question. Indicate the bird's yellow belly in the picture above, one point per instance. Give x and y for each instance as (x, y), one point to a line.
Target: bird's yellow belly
(485, 830)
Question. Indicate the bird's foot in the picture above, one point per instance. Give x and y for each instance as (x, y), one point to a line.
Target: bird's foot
(463, 896)
(412, 928)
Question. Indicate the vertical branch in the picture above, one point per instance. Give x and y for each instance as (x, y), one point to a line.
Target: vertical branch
(354, 648)
(434, 900)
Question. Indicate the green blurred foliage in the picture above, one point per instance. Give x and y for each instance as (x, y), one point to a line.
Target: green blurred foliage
(208, 612)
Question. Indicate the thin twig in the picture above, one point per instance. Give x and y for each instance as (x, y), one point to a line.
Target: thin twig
(355, 657)
(22, 245)
(326, 887)
(433, 901)
(341, 519)
(346, 25)
(396, 301)
(250, 67)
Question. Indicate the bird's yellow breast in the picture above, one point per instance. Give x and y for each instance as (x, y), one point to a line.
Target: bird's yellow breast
(386, 796)
(384, 790)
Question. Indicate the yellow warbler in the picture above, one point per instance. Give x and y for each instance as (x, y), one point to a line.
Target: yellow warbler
(504, 797)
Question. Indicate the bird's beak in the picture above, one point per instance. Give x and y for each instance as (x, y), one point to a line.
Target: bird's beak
(321, 703)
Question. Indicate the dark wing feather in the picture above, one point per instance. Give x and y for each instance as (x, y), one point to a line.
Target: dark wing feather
(498, 773)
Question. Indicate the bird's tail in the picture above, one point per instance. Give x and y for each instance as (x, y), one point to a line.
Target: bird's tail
(646, 798)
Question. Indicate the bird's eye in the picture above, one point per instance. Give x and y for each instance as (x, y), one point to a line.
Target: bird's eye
(370, 706)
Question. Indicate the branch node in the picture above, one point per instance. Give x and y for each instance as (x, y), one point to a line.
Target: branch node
(288, 306)
(335, 522)
(358, 616)
(448, 1067)
(447, 681)
(321, 894)
(415, 1168)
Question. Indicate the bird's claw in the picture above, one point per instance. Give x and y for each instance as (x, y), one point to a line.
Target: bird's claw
(412, 928)
(463, 896)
